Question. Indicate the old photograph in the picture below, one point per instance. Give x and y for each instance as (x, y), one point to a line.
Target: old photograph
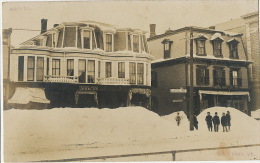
(124, 81)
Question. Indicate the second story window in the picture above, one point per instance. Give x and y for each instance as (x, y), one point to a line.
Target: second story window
(70, 67)
(109, 43)
(91, 71)
(86, 39)
(200, 46)
(202, 75)
(121, 70)
(167, 48)
(235, 78)
(108, 69)
(136, 43)
(233, 51)
(217, 48)
(219, 76)
(30, 68)
(55, 67)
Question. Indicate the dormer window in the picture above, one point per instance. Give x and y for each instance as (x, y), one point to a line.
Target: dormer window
(217, 44)
(167, 48)
(109, 43)
(233, 52)
(86, 39)
(136, 43)
(200, 45)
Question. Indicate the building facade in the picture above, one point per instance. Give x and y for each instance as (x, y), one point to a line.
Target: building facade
(220, 70)
(85, 64)
(248, 25)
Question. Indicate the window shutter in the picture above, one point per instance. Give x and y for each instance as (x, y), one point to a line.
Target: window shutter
(223, 78)
(231, 77)
(207, 77)
(214, 77)
(198, 76)
(239, 80)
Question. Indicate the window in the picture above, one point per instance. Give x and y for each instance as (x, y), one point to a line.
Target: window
(86, 39)
(91, 71)
(108, 69)
(154, 79)
(217, 49)
(235, 78)
(108, 43)
(70, 67)
(20, 68)
(219, 77)
(136, 43)
(132, 72)
(201, 46)
(82, 70)
(167, 48)
(55, 67)
(202, 75)
(30, 68)
(99, 69)
(48, 60)
(121, 70)
(140, 73)
(40, 69)
(233, 52)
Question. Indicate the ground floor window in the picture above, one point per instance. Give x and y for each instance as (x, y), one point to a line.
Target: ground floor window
(91, 71)
(132, 72)
(40, 69)
(20, 68)
(55, 67)
(70, 67)
(82, 70)
(140, 73)
(30, 68)
(121, 70)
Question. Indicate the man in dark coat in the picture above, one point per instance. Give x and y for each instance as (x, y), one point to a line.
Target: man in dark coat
(224, 122)
(178, 118)
(216, 122)
(195, 122)
(228, 120)
(208, 119)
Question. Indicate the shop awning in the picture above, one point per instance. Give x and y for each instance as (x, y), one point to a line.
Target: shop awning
(226, 93)
(24, 95)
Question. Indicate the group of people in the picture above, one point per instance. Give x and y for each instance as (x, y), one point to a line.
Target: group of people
(225, 121)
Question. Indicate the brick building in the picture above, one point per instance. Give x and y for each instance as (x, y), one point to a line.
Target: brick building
(248, 25)
(220, 70)
(83, 64)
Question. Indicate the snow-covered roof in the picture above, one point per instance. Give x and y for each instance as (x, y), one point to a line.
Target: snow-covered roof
(216, 35)
(233, 39)
(24, 95)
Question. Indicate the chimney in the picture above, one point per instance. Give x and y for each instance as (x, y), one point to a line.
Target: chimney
(55, 25)
(152, 30)
(43, 25)
(212, 27)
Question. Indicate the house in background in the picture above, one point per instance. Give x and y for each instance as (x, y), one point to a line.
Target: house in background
(248, 25)
(83, 64)
(220, 70)
(6, 38)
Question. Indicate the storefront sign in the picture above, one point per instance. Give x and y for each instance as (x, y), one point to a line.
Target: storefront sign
(88, 88)
(178, 90)
(177, 100)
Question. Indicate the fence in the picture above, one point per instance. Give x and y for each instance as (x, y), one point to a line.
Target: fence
(174, 152)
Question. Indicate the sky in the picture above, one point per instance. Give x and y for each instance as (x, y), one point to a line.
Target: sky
(173, 14)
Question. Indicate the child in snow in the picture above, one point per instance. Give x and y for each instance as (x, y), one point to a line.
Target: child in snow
(216, 122)
(224, 122)
(195, 122)
(208, 119)
(178, 119)
(228, 120)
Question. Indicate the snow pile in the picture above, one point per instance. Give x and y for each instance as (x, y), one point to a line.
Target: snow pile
(241, 123)
(184, 123)
(85, 125)
(255, 114)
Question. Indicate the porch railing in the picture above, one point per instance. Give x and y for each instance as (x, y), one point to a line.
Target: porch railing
(113, 81)
(61, 79)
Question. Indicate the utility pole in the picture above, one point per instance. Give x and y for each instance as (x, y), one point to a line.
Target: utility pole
(191, 81)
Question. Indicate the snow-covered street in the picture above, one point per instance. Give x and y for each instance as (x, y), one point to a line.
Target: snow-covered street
(63, 133)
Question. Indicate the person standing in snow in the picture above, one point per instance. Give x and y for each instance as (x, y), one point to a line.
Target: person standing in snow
(195, 122)
(208, 119)
(178, 118)
(228, 120)
(216, 122)
(224, 122)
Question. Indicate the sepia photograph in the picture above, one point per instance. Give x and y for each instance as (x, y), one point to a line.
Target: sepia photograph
(130, 81)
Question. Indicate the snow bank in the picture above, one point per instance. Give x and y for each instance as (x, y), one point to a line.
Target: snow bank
(184, 123)
(86, 125)
(255, 114)
(241, 123)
